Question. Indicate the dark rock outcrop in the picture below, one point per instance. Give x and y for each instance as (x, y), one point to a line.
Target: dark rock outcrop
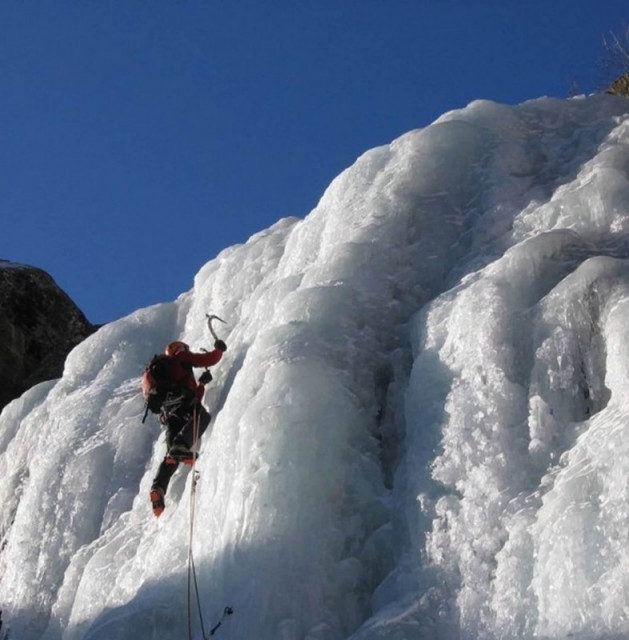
(620, 86)
(39, 326)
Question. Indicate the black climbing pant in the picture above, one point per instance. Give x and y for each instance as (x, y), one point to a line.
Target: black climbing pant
(180, 427)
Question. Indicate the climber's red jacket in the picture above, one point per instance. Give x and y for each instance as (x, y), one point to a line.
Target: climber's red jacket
(184, 361)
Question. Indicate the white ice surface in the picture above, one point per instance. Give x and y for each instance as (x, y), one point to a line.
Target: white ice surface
(419, 425)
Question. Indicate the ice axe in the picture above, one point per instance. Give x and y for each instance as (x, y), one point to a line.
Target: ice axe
(210, 318)
(206, 376)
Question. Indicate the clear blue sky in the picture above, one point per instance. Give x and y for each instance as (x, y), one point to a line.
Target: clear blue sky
(139, 138)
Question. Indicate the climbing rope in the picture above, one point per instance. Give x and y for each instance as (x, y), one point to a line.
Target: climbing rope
(192, 572)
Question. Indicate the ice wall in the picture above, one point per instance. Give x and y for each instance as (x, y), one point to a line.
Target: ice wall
(418, 422)
(517, 402)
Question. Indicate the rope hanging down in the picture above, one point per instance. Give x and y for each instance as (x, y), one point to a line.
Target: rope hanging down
(192, 572)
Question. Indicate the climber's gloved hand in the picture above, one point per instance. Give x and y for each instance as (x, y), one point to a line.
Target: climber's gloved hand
(220, 345)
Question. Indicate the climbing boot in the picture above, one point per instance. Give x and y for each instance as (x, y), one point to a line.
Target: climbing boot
(180, 453)
(157, 501)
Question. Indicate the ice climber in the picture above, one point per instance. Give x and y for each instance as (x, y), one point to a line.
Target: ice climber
(182, 413)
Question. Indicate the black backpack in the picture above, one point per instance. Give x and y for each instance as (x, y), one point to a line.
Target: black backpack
(158, 382)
